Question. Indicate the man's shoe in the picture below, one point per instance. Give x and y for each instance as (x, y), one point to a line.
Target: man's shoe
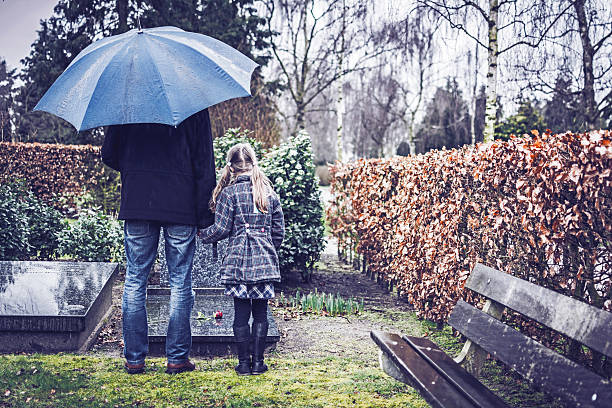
(180, 368)
(134, 368)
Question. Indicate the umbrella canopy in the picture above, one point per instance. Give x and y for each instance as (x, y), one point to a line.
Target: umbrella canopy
(156, 75)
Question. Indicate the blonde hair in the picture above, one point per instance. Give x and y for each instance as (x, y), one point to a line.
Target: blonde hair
(241, 159)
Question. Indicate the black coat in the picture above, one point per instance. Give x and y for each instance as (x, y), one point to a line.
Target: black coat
(167, 173)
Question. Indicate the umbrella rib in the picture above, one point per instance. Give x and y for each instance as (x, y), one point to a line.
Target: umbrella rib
(198, 52)
(161, 81)
(119, 50)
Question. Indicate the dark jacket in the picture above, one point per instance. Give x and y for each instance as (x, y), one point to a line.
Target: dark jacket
(167, 173)
(254, 238)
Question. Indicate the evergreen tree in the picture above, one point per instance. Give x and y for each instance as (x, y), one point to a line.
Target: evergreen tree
(527, 118)
(563, 111)
(447, 120)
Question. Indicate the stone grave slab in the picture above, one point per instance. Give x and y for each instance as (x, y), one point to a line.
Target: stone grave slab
(53, 306)
(210, 337)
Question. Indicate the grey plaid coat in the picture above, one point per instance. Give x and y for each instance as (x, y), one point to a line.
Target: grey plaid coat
(254, 237)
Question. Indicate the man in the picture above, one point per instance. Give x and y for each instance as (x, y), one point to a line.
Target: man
(167, 178)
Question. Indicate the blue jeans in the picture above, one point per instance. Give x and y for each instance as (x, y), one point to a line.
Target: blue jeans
(141, 240)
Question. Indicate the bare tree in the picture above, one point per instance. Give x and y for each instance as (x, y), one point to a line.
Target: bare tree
(373, 111)
(317, 43)
(415, 39)
(517, 18)
(579, 49)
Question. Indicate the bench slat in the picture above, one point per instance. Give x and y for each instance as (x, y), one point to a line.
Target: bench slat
(454, 373)
(580, 321)
(548, 370)
(432, 386)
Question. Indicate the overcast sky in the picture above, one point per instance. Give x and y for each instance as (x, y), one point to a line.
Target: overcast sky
(19, 20)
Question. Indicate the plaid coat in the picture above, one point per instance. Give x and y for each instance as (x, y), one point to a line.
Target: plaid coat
(254, 238)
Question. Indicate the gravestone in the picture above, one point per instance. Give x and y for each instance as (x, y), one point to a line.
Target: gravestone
(210, 336)
(53, 306)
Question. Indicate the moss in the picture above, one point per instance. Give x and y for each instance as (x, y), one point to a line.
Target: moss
(69, 381)
(409, 324)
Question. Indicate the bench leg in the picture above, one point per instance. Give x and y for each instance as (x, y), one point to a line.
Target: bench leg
(391, 369)
(472, 357)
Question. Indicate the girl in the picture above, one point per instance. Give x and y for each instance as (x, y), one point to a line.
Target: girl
(248, 212)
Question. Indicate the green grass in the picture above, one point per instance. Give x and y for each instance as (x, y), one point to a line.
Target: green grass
(408, 323)
(67, 380)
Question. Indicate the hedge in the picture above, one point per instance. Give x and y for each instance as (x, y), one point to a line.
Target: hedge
(538, 207)
(52, 171)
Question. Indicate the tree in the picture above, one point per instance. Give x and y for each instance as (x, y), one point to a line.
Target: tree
(7, 81)
(528, 118)
(446, 122)
(379, 96)
(317, 42)
(415, 38)
(563, 111)
(578, 48)
(518, 16)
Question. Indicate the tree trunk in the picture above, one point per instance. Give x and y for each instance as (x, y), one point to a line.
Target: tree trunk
(121, 6)
(299, 117)
(340, 99)
(491, 107)
(301, 81)
(474, 92)
(340, 116)
(588, 91)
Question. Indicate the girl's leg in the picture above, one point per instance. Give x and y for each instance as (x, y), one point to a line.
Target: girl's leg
(260, 310)
(242, 312)
(259, 335)
(242, 333)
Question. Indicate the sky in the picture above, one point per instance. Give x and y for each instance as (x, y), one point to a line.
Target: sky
(19, 20)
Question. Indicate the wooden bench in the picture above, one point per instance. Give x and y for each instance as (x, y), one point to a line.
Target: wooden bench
(443, 382)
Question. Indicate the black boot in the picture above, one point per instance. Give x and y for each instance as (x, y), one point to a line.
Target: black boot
(258, 336)
(242, 336)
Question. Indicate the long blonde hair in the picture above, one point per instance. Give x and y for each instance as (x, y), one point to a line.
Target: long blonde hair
(241, 159)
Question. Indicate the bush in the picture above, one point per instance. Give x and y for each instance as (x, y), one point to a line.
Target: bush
(28, 227)
(14, 231)
(290, 167)
(230, 138)
(93, 237)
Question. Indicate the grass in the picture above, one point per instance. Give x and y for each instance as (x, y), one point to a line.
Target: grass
(66, 380)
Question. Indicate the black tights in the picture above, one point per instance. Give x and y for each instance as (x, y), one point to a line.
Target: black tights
(244, 307)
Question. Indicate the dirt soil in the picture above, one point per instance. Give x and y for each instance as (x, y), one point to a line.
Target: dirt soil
(303, 336)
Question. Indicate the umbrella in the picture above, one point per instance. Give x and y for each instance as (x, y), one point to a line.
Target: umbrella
(155, 75)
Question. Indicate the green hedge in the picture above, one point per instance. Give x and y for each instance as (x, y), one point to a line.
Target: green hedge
(291, 169)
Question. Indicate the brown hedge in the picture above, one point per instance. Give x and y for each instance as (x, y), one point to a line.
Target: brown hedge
(51, 170)
(537, 207)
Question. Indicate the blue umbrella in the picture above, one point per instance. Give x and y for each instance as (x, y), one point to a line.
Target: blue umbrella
(156, 75)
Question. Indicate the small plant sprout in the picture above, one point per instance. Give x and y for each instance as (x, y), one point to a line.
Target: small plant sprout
(322, 303)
